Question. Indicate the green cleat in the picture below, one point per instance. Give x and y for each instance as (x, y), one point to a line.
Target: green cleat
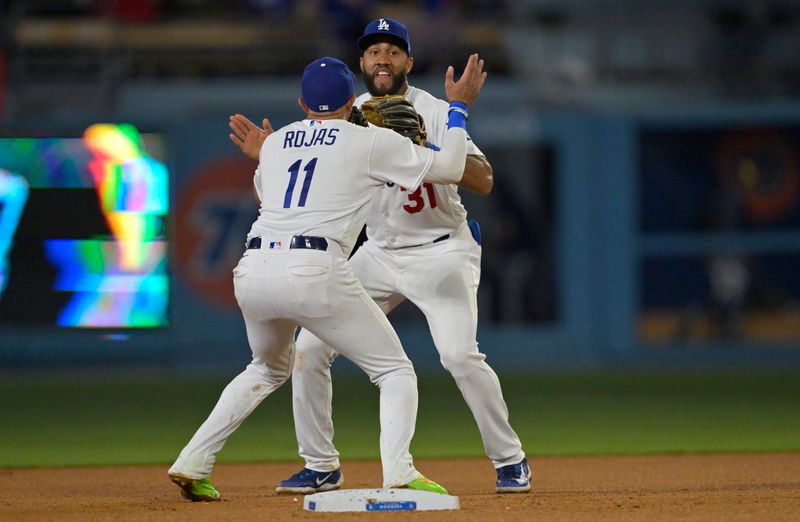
(196, 490)
(423, 483)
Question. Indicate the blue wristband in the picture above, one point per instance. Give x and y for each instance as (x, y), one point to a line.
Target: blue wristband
(457, 115)
(459, 105)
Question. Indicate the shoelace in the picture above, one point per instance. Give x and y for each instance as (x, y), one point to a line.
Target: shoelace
(309, 474)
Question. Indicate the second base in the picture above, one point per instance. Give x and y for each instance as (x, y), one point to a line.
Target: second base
(379, 500)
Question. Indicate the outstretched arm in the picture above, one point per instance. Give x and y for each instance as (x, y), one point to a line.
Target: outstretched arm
(477, 175)
(461, 95)
(247, 135)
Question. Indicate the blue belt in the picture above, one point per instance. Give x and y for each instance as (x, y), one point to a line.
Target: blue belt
(311, 242)
(440, 238)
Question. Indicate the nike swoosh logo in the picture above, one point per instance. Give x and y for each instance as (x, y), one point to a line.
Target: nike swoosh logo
(320, 480)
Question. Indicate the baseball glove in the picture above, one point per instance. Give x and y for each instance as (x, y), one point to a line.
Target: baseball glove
(357, 117)
(396, 113)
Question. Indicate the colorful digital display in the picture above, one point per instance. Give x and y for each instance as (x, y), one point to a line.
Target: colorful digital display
(83, 239)
(13, 194)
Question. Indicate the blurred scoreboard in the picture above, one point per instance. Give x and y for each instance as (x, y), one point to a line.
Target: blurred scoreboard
(83, 230)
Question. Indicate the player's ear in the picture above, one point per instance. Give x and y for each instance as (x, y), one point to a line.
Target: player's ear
(302, 104)
(361, 63)
(409, 64)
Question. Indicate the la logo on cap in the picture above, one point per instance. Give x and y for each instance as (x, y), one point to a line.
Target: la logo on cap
(383, 25)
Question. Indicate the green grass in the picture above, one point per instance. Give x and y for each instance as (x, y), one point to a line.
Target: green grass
(103, 420)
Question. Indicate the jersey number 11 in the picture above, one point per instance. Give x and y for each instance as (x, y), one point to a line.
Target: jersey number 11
(294, 170)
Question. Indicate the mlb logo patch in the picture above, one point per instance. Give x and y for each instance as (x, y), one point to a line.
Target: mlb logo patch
(275, 244)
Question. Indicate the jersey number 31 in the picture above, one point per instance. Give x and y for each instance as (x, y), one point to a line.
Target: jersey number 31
(415, 200)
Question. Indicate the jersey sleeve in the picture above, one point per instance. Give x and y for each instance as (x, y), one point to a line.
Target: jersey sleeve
(472, 149)
(397, 159)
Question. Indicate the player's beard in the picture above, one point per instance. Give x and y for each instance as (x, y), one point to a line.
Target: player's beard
(398, 80)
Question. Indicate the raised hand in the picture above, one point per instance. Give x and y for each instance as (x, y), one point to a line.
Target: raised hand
(247, 135)
(467, 88)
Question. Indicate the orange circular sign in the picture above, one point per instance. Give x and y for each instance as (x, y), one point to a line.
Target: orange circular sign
(763, 169)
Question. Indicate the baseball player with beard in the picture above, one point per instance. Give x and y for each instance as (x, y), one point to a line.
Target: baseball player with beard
(315, 180)
(420, 247)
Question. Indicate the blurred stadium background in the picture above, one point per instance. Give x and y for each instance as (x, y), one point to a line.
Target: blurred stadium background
(645, 214)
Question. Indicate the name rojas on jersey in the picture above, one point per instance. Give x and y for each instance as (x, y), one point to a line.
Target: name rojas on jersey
(401, 218)
(318, 136)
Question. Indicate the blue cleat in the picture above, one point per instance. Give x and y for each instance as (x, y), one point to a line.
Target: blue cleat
(309, 481)
(514, 478)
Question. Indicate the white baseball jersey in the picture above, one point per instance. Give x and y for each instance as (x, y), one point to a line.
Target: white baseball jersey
(404, 216)
(317, 177)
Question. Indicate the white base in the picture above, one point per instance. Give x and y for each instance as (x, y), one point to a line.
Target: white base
(379, 500)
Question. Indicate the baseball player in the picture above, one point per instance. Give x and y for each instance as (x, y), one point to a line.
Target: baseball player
(420, 248)
(315, 181)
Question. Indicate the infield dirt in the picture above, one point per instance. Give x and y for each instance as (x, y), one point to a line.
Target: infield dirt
(729, 487)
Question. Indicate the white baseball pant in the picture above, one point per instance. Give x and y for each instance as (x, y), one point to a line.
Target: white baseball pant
(280, 288)
(441, 279)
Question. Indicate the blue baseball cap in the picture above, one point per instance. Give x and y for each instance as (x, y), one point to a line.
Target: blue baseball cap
(327, 84)
(385, 30)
